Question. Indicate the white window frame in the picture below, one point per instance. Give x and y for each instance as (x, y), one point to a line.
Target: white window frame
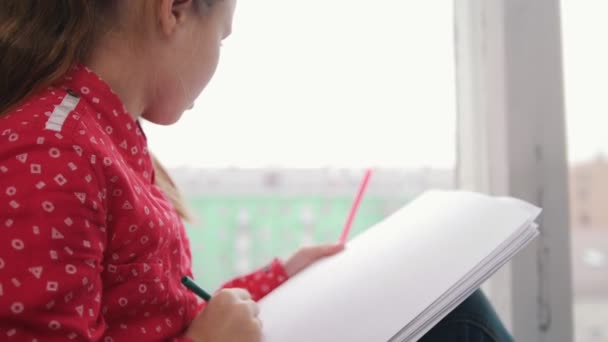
(511, 141)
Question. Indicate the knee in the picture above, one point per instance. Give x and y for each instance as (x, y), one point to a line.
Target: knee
(461, 329)
(473, 320)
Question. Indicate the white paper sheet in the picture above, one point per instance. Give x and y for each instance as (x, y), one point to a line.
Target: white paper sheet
(391, 273)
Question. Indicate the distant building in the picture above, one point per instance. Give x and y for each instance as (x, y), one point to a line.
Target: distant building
(589, 195)
(234, 182)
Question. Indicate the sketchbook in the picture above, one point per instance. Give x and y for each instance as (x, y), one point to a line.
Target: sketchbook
(400, 277)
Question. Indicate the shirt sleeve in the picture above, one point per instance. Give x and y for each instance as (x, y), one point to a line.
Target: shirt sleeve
(259, 283)
(52, 238)
(262, 281)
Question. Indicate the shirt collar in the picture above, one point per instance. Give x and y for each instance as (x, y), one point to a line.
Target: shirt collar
(111, 114)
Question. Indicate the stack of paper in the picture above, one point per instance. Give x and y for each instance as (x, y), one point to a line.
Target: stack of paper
(398, 279)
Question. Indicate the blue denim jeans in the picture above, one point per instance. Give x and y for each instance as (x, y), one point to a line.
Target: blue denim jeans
(473, 321)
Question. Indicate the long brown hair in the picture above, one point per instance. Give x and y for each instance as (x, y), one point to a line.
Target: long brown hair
(40, 40)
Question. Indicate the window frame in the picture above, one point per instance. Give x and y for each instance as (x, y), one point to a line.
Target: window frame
(512, 141)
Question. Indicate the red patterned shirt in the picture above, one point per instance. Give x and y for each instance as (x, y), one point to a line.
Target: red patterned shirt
(90, 248)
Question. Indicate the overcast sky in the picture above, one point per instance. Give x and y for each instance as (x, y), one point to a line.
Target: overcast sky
(355, 83)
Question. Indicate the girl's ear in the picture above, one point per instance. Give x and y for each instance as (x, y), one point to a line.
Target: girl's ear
(171, 13)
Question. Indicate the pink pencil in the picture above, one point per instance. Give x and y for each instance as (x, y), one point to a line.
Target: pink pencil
(355, 206)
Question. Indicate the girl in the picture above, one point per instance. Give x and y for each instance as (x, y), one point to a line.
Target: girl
(92, 246)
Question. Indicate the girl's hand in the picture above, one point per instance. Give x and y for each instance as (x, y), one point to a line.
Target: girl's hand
(231, 316)
(308, 255)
